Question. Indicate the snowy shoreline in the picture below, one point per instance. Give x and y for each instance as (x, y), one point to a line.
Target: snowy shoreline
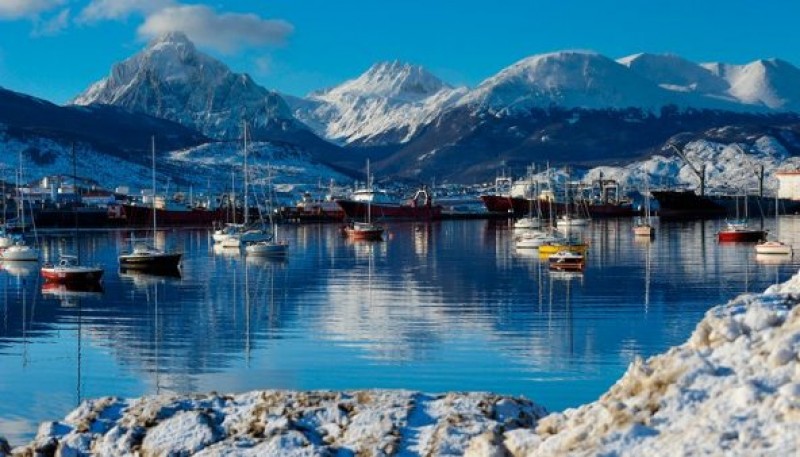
(733, 388)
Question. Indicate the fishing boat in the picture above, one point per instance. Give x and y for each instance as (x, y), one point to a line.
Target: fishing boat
(144, 255)
(367, 230)
(775, 247)
(380, 203)
(566, 261)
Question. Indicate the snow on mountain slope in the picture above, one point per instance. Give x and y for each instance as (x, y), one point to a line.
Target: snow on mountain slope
(205, 166)
(170, 79)
(773, 82)
(387, 103)
(675, 73)
(566, 79)
(214, 162)
(726, 167)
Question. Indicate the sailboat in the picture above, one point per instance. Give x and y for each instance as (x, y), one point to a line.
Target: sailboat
(145, 256)
(69, 270)
(738, 231)
(366, 230)
(559, 245)
(775, 247)
(530, 222)
(273, 246)
(21, 251)
(246, 233)
(571, 220)
(644, 227)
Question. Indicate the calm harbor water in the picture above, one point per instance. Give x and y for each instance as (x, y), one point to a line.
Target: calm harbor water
(439, 307)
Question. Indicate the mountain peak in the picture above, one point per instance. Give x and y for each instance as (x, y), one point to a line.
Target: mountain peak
(174, 37)
(392, 79)
(172, 80)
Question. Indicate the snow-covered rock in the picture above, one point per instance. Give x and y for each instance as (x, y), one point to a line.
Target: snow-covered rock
(732, 389)
(387, 103)
(172, 80)
(282, 423)
(728, 168)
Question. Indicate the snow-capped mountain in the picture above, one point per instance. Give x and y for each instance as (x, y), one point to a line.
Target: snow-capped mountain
(172, 80)
(675, 73)
(577, 79)
(773, 83)
(386, 104)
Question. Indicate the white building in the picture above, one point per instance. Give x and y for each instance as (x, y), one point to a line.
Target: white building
(788, 184)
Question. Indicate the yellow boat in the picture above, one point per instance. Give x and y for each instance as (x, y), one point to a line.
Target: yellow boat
(549, 249)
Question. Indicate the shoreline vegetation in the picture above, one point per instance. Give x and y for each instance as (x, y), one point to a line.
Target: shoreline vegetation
(732, 389)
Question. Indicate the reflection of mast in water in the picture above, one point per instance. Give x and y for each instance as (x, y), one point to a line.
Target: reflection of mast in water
(647, 268)
(79, 384)
(247, 313)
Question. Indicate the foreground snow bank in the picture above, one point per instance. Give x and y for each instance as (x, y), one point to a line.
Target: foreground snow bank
(732, 389)
(283, 423)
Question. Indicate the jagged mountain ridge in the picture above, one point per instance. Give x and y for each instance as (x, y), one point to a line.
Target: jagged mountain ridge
(171, 79)
(366, 111)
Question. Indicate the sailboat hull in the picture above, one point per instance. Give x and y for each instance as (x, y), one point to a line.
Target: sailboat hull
(741, 236)
(150, 261)
(72, 276)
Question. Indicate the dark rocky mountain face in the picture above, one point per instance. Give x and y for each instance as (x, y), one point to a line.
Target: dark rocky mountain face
(467, 146)
(112, 130)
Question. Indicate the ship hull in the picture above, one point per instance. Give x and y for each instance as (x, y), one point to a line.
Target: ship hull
(357, 210)
(741, 236)
(518, 206)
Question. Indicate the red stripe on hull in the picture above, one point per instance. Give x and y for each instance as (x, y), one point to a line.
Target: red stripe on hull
(741, 236)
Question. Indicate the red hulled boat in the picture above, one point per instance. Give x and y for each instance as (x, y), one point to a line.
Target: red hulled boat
(69, 271)
(738, 232)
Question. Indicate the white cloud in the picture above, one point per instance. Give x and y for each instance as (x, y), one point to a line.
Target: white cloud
(53, 25)
(226, 32)
(16, 9)
(98, 10)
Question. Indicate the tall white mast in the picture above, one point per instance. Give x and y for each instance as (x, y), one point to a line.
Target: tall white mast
(153, 154)
(246, 205)
(371, 194)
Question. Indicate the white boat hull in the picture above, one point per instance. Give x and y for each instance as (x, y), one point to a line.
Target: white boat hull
(20, 253)
(774, 248)
(267, 248)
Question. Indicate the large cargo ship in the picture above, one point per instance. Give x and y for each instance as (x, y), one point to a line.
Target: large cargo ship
(686, 204)
(516, 199)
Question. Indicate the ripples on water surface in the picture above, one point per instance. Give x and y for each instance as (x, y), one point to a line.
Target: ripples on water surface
(447, 306)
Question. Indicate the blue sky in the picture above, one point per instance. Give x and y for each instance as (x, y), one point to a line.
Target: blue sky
(55, 48)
